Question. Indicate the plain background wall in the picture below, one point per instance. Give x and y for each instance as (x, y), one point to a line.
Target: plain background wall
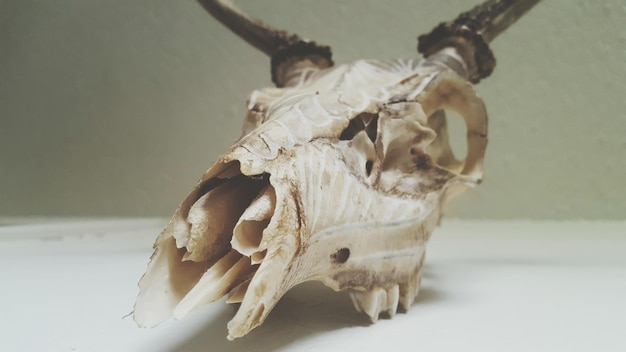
(115, 108)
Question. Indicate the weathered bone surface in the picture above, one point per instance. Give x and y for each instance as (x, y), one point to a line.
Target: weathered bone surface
(340, 177)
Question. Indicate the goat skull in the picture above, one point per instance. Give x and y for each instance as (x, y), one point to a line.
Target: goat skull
(340, 177)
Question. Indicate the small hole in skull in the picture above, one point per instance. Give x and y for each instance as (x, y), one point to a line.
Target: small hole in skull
(341, 256)
(368, 167)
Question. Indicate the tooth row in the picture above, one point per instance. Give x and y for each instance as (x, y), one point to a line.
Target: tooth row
(386, 300)
(376, 301)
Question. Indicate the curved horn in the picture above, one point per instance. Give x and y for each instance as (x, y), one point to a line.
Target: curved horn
(284, 48)
(472, 31)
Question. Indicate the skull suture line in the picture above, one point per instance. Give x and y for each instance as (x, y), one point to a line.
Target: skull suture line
(340, 177)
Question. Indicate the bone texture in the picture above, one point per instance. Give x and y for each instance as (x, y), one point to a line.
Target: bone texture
(340, 177)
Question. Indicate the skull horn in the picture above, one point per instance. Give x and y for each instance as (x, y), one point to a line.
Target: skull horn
(286, 50)
(472, 31)
(341, 177)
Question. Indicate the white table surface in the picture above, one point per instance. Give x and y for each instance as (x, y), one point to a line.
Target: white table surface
(488, 286)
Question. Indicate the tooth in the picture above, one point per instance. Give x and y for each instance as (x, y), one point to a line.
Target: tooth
(227, 273)
(410, 289)
(369, 302)
(393, 295)
(248, 231)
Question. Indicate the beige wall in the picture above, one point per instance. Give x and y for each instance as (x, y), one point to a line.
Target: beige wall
(117, 107)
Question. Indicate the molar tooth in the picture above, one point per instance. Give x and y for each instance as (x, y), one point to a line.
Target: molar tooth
(393, 295)
(369, 302)
(376, 301)
(409, 290)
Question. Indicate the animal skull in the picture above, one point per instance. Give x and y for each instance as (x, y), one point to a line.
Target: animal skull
(340, 177)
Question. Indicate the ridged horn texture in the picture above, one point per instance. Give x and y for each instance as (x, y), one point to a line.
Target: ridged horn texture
(340, 178)
(472, 31)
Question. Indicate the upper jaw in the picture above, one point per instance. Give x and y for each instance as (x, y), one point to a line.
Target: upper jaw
(353, 211)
